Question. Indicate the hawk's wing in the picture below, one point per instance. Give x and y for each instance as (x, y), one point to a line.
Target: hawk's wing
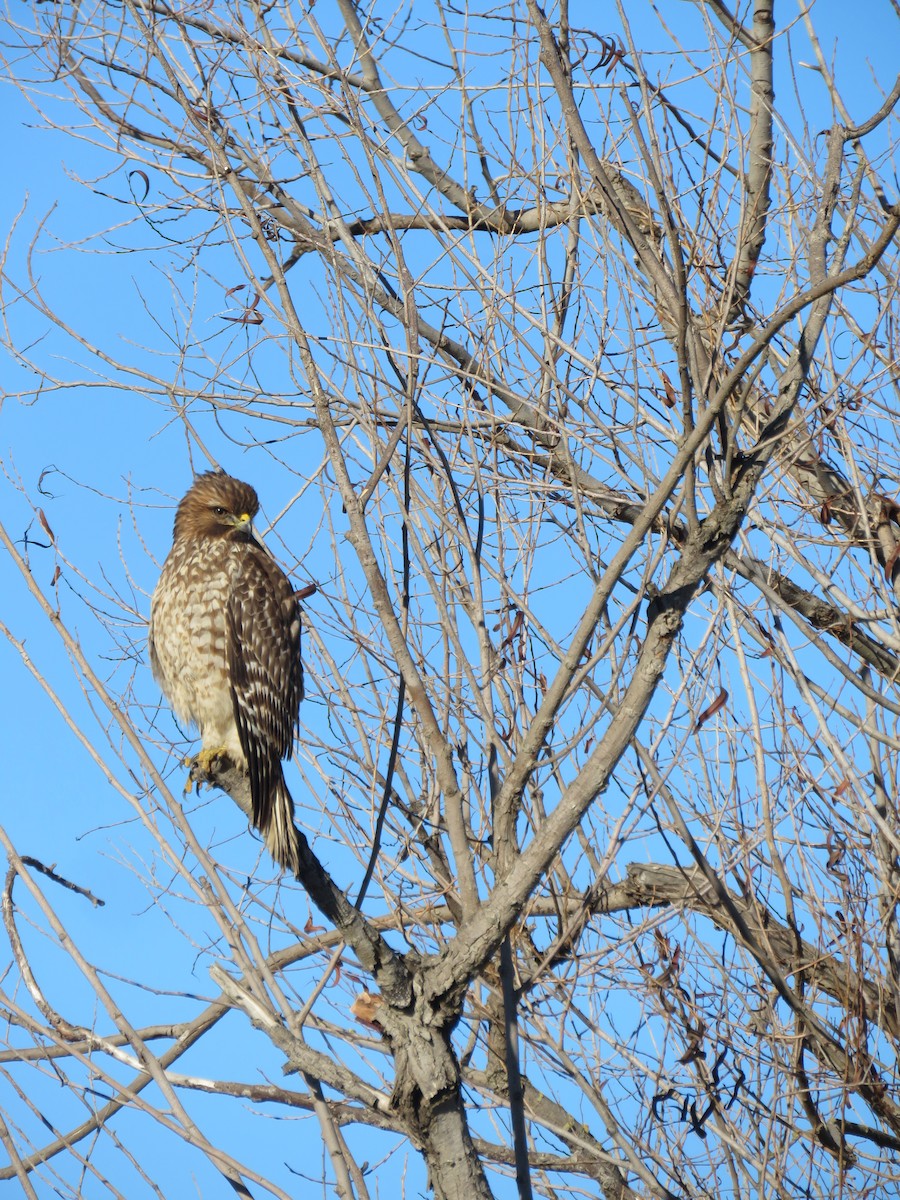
(266, 676)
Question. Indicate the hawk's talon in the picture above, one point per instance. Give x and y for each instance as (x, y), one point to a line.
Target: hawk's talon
(202, 766)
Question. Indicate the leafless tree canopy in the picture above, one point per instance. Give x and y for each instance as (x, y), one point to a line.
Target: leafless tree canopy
(562, 355)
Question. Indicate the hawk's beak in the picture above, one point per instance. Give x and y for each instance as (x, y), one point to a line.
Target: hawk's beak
(242, 521)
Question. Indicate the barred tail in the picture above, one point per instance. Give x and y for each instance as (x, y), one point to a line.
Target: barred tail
(280, 834)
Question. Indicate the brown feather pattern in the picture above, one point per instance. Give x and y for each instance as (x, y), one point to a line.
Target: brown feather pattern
(225, 646)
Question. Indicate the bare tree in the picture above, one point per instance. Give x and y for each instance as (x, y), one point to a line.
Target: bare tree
(574, 351)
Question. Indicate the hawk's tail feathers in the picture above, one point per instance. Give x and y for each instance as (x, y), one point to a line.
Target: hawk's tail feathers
(280, 835)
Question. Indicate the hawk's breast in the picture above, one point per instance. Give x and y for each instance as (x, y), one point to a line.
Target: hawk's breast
(188, 634)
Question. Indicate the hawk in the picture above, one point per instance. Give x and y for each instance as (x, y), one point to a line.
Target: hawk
(225, 647)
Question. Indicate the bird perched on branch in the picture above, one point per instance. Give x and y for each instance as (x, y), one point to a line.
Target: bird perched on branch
(225, 648)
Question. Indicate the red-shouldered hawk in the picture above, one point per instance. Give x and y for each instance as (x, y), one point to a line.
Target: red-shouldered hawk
(225, 647)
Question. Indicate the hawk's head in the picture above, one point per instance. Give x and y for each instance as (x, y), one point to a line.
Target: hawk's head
(215, 506)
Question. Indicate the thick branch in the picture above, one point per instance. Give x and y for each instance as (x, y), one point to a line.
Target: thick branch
(374, 954)
(687, 888)
(756, 199)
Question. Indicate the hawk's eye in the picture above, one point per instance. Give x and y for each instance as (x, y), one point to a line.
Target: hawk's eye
(219, 510)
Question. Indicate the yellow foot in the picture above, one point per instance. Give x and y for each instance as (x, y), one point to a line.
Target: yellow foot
(201, 766)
